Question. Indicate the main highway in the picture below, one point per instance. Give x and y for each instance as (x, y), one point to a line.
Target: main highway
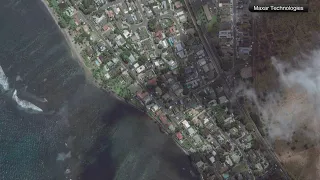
(215, 60)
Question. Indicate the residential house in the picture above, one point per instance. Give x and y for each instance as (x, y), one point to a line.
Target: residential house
(116, 9)
(99, 2)
(177, 4)
(245, 50)
(225, 34)
(132, 59)
(172, 30)
(124, 8)
(70, 11)
(110, 14)
(179, 135)
(144, 97)
(120, 40)
(225, 26)
(76, 19)
(156, 10)
(224, 3)
(135, 37)
(186, 124)
(127, 34)
(202, 62)
(140, 69)
(191, 131)
(86, 29)
(183, 19)
(197, 138)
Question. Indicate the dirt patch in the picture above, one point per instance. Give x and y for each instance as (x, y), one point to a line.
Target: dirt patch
(300, 154)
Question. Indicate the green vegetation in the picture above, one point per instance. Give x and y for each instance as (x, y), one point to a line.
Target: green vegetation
(213, 25)
(201, 17)
(152, 23)
(241, 167)
(64, 20)
(188, 117)
(125, 56)
(166, 23)
(249, 127)
(87, 6)
(119, 86)
(108, 54)
(143, 59)
(117, 31)
(97, 73)
(220, 115)
(73, 25)
(62, 24)
(80, 38)
(87, 61)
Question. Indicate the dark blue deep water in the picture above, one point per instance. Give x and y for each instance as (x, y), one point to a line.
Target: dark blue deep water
(82, 129)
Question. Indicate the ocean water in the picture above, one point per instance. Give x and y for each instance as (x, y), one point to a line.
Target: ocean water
(55, 125)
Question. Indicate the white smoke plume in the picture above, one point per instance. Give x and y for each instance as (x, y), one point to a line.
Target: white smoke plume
(295, 107)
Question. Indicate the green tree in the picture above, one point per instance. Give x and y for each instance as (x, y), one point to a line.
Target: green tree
(73, 25)
(143, 59)
(62, 23)
(249, 127)
(97, 73)
(125, 56)
(152, 24)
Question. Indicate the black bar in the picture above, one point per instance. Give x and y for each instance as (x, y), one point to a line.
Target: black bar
(278, 7)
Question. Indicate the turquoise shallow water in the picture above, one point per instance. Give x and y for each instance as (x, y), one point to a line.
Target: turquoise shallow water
(96, 136)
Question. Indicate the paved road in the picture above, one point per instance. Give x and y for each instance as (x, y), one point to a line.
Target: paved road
(234, 23)
(204, 40)
(215, 59)
(109, 4)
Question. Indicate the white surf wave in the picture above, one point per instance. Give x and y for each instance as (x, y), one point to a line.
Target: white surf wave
(4, 80)
(63, 156)
(25, 104)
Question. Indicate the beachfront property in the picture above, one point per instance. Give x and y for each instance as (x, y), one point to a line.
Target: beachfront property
(163, 68)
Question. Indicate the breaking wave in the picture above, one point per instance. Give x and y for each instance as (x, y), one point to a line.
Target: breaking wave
(4, 80)
(25, 104)
(63, 156)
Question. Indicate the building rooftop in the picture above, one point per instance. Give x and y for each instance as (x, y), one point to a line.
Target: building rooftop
(179, 135)
(178, 4)
(191, 131)
(185, 124)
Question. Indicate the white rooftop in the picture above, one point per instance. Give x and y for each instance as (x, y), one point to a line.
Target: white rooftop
(136, 65)
(185, 124)
(191, 131)
(212, 159)
(140, 69)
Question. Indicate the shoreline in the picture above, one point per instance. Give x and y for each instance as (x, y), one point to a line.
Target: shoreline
(77, 57)
(88, 74)
(75, 54)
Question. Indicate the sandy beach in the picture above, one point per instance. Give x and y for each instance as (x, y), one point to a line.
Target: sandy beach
(74, 50)
(77, 56)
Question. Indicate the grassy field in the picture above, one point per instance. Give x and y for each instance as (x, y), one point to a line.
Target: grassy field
(213, 24)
